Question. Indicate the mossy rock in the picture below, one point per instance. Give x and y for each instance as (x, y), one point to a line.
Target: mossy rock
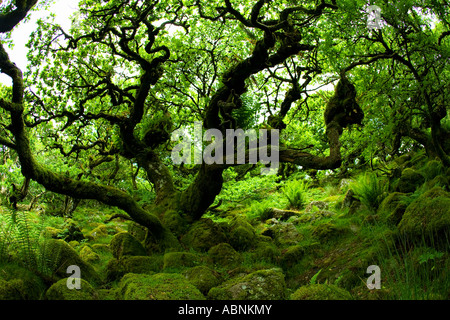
(123, 244)
(428, 215)
(266, 251)
(160, 286)
(432, 169)
(59, 255)
(89, 255)
(17, 283)
(203, 278)
(259, 285)
(203, 235)
(137, 231)
(60, 291)
(116, 269)
(392, 209)
(327, 231)
(71, 232)
(242, 234)
(292, 256)
(410, 180)
(166, 243)
(224, 255)
(174, 222)
(101, 231)
(175, 260)
(283, 233)
(438, 181)
(52, 233)
(321, 292)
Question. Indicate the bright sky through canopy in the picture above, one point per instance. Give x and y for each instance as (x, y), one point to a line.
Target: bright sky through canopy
(63, 9)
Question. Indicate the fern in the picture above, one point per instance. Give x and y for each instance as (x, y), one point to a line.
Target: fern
(295, 192)
(21, 241)
(370, 190)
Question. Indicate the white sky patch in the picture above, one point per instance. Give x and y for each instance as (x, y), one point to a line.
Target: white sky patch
(63, 9)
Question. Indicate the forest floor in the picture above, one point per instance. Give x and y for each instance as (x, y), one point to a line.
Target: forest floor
(269, 239)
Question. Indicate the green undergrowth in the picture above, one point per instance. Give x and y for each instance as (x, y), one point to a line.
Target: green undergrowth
(317, 239)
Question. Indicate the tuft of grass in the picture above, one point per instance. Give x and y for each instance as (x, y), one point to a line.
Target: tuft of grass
(295, 192)
(370, 190)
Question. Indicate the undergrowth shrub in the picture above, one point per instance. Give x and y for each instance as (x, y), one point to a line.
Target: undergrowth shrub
(370, 190)
(21, 241)
(295, 192)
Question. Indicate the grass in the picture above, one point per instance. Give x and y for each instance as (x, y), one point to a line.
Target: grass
(295, 191)
(370, 190)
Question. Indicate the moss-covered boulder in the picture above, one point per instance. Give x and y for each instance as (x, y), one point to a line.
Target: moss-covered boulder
(326, 231)
(428, 215)
(174, 221)
(242, 234)
(432, 169)
(17, 283)
(410, 180)
(176, 260)
(292, 256)
(117, 268)
(203, 235)
(259, 285)
(283, 233)
(59, 255)
(71, 232)
(167, 242)
(60, 291)
(101, 231)
(224, 255)
(321, 292)
(89, 255)
(160, 286)
(203, 278)
(124, 244)
(266, 251)
(392, 208)
(137, 231)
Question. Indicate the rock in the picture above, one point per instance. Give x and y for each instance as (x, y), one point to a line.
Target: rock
(98, 232)
(59, 255)
(50, 232)
(88, 255)
(71, 232)
(259, 285)
(391, 208)
(242, 234)
(175, 260)
(174, 222)
(203, 235)
(349, 199)
(224, 255)
(321, 205)
(283, 233)
(428, 215)
(166, 243)
(344, 184)
(124, 243)
(327, 231)
(137, 231)
(321, 292)
(292, 256)
(17, 283)
(266, 251)
(60, 291)
(116, 269)
(203, 278)
(410, 180)
(160, 286)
